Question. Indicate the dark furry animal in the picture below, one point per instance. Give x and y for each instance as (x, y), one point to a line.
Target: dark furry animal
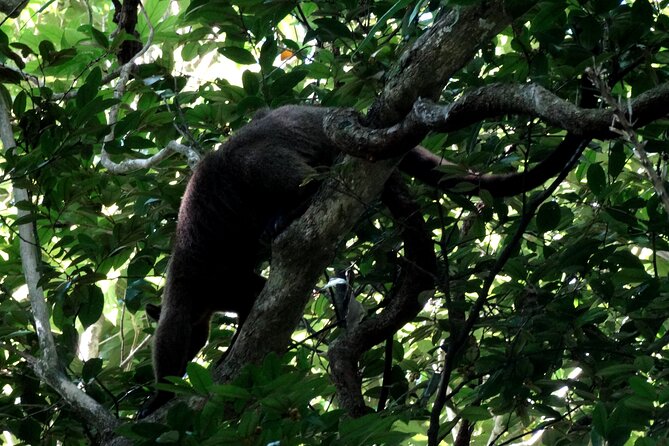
(234, 196)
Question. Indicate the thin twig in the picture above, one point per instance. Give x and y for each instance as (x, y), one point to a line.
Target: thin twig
(623, 125)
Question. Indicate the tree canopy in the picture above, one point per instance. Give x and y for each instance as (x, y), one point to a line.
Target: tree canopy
(519, 294)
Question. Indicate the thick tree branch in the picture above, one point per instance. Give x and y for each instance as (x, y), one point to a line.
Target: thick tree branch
(346, 129)
(535, 101)
(12, 7)
(431, 61)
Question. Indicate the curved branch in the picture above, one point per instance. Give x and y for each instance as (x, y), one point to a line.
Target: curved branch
(129, 165)
(421, 163)
(486, 102)
(418, 272)
(537, 102)
(346, 129)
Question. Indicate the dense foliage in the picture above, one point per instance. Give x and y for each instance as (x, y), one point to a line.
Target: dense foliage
(572, 341)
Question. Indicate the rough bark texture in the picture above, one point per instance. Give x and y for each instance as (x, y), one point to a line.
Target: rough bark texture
(424, 69)
(12, 7)
(299, 255)
(348, 131)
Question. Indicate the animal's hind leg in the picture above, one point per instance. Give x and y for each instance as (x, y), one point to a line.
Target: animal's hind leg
(176, 341)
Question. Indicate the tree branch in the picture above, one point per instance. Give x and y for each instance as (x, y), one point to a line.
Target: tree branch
(424, 69)
(346, 129)
(129, 165)
(623, 118)
(47, 367)
(418, 272)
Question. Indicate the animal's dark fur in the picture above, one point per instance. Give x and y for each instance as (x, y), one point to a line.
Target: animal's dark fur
(234, 195)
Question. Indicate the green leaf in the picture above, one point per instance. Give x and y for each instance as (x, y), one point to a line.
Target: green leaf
(19, 105)
(46, 49)
(91, 305)
(199, 377)
(642, 388)
(248, 423)
(601, 6)
(29, 431)
(616, 370)
(590, 33)
(148, 430)
(638, 403)
(596, 179)
(644, 363)
(331, 29)
(617, 159)
(89, 90)
(230, 391)
(251, 82)
(90, 110)
(548, 216)
(642, 12)
(135, 294)
(381, 22)
(10, 76)
(548, 17)
(287, 82)
(599, 417)
(476, 413)
(91, 369)
(268, 53)
(661, 57)
(61, 57)
(168, 437)
(237, 54)
(250, 103)
(100, 37)
(7, 52)
(25, 219)
(180, 416)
